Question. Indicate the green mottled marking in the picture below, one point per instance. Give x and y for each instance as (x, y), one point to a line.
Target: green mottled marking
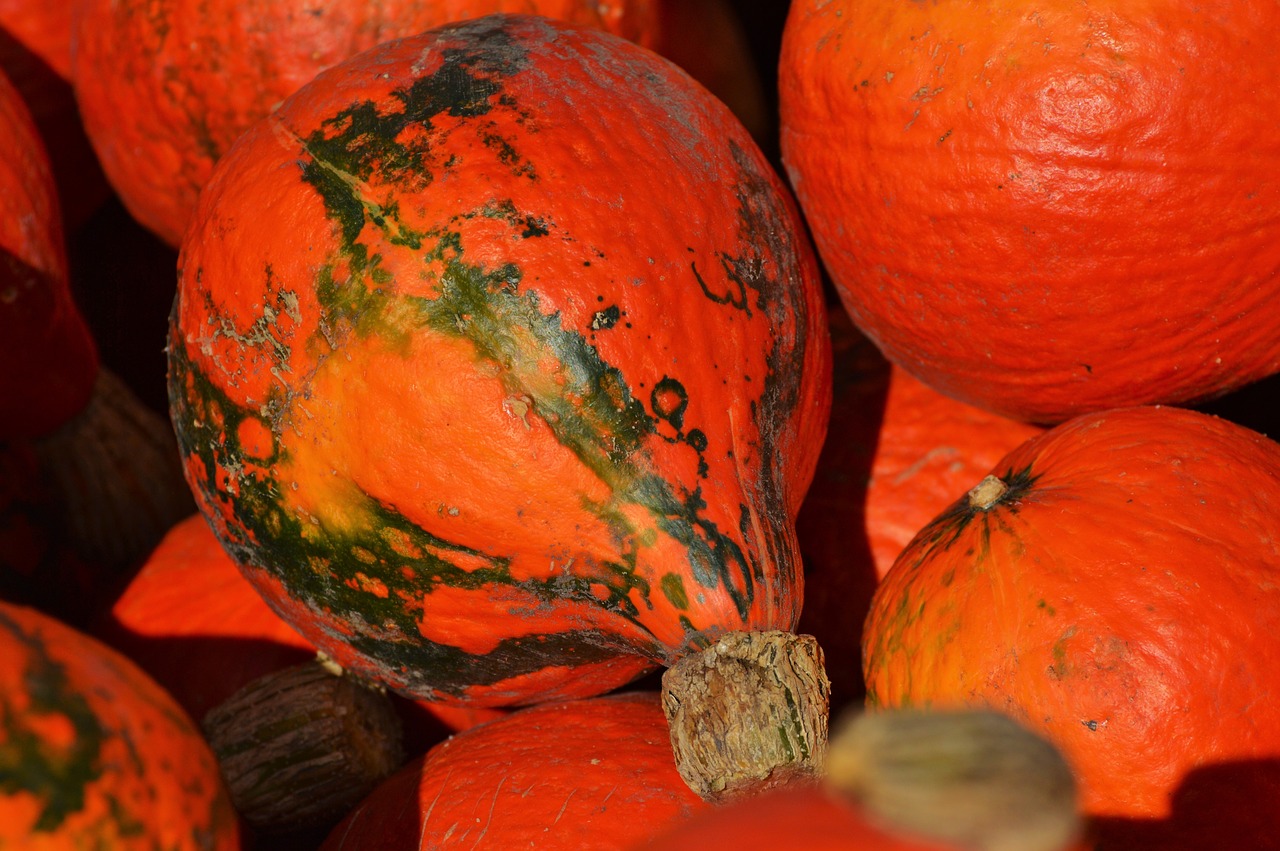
(673, 589)
(57, 779)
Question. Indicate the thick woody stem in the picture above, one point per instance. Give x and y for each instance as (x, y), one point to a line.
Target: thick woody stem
(299, 747)
(748, 713)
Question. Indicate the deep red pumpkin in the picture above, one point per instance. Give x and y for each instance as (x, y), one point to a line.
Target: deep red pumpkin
(1122, 597)
(587, 775)
(520, 392)
(48, 361)
(1045, 208)
(95, 754)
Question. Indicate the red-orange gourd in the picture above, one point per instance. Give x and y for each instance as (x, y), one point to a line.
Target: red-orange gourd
(166, 86)
(1116, 585)
(897, 452)
(585, 775)
(48, 361)
(94, 753)
(1045, 208)
(519, 394)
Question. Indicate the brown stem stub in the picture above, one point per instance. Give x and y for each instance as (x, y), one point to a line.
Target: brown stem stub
(987, 492)
(299, 747)
(971, 778)
(748, 713)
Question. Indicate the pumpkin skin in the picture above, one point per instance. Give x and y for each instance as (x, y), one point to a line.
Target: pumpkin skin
(897, 452)
(578, 486)
(166, 87)
(583, 775)
(1121, 599)
(1045, 209)
(96, 754)
(43, 28)
(48, 361)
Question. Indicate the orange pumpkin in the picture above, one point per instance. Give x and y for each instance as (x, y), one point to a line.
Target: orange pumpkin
(43, 28)
(166, 86)
(1116, 584)
(520, 393)
(583, 775)
(897, 452)
(1046, 209)
(95, 754)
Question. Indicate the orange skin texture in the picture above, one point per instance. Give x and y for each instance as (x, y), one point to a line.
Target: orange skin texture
(587, 775)
(192, 621)
(897, 453)
(166, 87)
(83, 721)
(44, 28)
(808, 817)
(1122, 600)
(661, 336)
(48, 362)
(1045, 209)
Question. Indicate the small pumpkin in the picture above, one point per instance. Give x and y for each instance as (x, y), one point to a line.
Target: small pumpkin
(166, 86)
(521, 393)
(95, 753)
(897, 452)
(583, 775)
(1114, 583)
(1047, 209)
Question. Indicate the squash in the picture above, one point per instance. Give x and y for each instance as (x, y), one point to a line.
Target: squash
(582, 775)
(520, 393)
(1115, 584)
(1048, 209)
(94, 753)
(165, 86)
(896, 454)
(44, 29)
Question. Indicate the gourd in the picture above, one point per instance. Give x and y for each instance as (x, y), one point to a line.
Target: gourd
(1113, 584)
(95, 753)
(520, 393)
(1044, 209)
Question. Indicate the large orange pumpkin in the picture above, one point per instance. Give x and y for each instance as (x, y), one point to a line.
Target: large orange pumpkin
(1045, 209)
(1116, 585)
(94, 753)
(519, 394)
(166, 86)
(582, 775)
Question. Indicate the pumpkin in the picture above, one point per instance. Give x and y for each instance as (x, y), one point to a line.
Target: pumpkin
(194, 623)
(897, 452)
(166, 87)
(580, 775)
(43, 28)
(95, 753)
(1045, 210)
(520, 394)
(1115, 584)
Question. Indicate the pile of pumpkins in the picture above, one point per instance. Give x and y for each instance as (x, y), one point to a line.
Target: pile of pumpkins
(574, 434)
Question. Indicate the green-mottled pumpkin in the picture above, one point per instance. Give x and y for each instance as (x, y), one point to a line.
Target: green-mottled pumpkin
(499, 363)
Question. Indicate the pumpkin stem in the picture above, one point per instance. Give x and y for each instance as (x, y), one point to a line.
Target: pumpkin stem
(987, 492)
(299, 747)
(971, 778)
(748, 713)
(116, 476)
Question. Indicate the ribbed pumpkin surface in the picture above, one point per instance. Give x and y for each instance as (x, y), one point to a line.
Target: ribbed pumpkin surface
(1122, 597)
(521, 389)
(1045, 208)
(94, 754)
(585, 775)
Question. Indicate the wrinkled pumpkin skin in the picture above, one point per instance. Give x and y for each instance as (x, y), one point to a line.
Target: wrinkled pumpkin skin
(1045, 208)
(518, 394)
(583, 775)
(1122, 598)
(94, 753)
